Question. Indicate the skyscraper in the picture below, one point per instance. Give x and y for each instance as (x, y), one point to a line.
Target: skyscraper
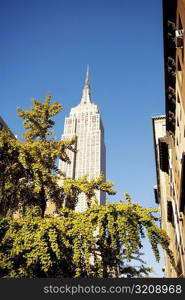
(85, 122)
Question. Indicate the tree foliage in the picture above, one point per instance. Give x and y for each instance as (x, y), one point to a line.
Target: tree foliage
(29, 174)
(88, 244)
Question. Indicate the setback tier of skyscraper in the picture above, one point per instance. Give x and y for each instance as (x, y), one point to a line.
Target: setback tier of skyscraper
(85, 122)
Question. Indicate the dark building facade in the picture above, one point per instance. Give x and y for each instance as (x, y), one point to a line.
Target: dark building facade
(172, 146)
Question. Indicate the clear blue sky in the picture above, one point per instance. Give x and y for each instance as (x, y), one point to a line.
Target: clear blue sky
(46, 46)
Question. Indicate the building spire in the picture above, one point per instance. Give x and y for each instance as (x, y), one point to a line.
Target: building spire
(86, 94)
(87, 75)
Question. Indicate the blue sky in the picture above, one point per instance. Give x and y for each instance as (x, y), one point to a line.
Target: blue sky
(46, 46)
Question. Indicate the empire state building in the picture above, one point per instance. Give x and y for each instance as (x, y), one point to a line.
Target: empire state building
(85, 122)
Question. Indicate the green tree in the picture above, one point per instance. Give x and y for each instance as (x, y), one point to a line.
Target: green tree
(29, 174)
(89, 244)
(93, 243)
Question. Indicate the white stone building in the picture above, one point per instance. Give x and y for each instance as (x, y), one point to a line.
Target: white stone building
(85, 122)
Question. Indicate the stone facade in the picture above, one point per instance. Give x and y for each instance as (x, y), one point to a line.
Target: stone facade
(163, 189)
(85, 123)
(172, 146)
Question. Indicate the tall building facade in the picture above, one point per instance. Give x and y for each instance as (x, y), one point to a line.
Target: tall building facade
(85, 123)
(171, 190)
(163, 197)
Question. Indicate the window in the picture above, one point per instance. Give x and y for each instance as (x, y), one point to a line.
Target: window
(182, 195)
(179, 36)
(170, 215)
(180, 24)
(179, 68)
(163, 156)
